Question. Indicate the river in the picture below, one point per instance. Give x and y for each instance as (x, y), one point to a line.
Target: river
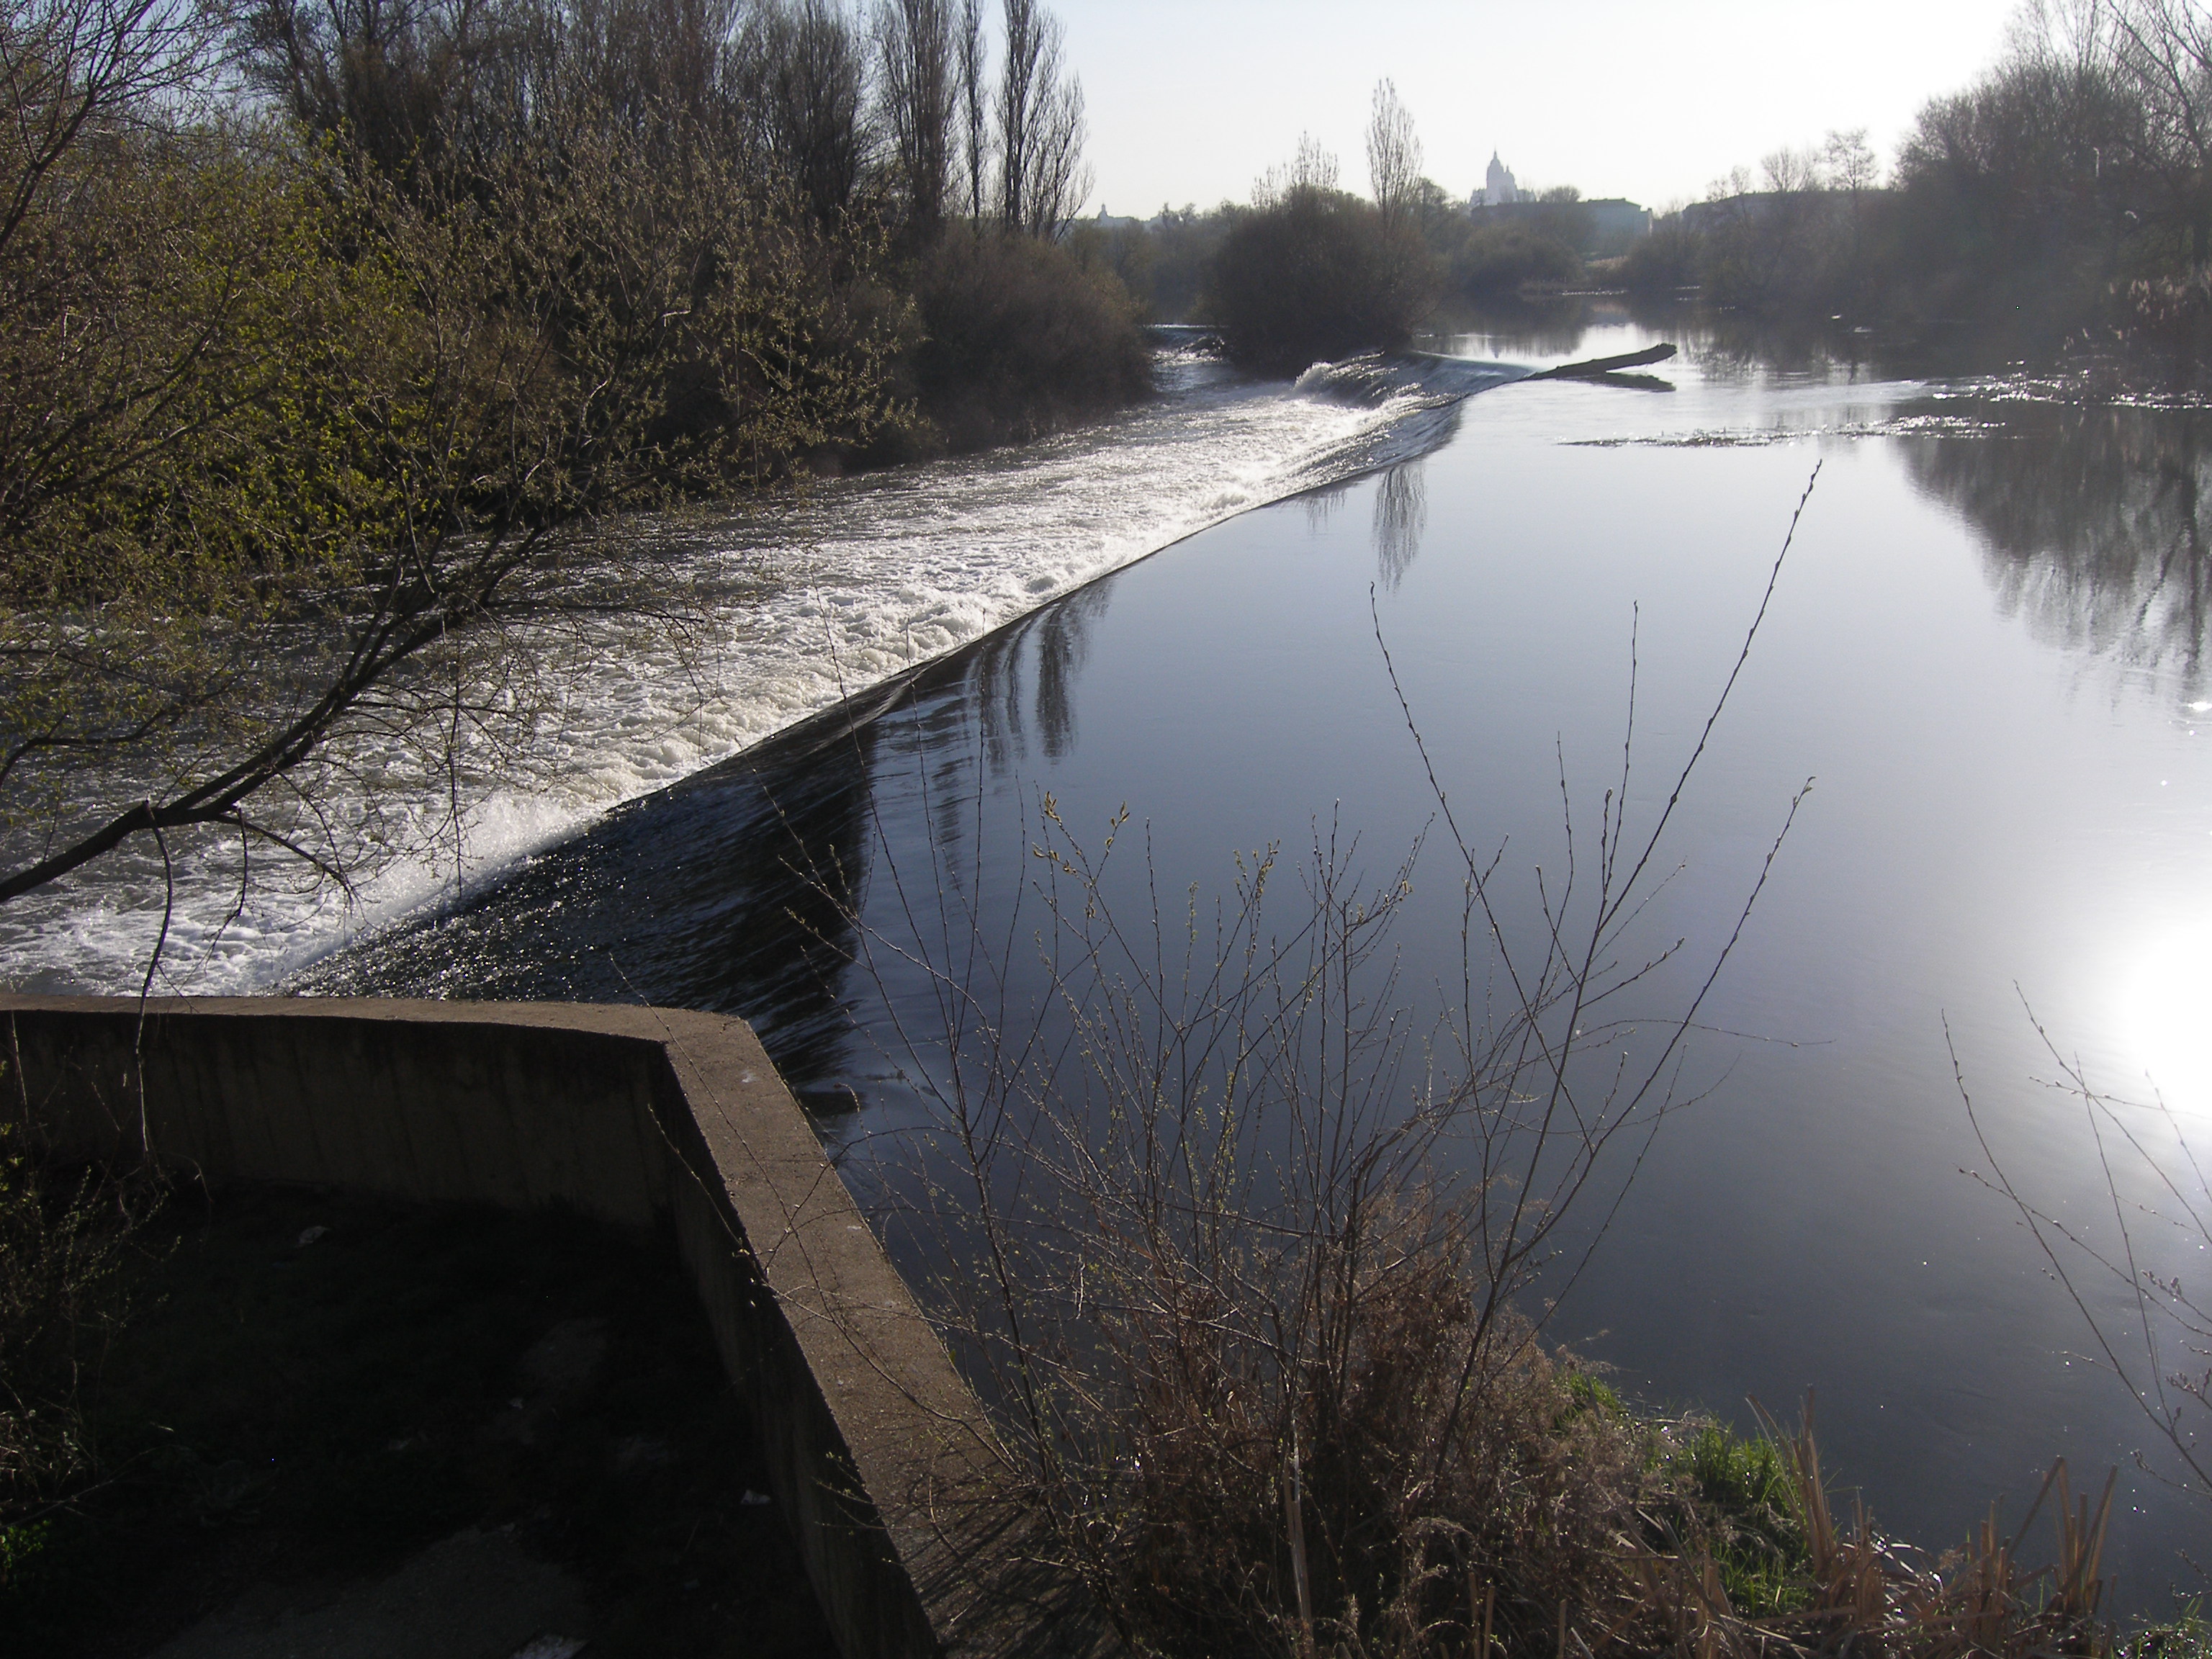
(1985, 648)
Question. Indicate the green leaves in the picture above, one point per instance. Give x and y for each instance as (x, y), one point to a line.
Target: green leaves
(285, 441)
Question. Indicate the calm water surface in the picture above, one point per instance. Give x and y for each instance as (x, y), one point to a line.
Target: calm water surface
(1985, 648)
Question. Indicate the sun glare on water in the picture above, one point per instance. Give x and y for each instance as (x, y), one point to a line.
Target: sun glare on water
(2166, 1019)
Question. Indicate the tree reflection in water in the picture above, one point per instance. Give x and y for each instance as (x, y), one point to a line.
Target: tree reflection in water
(1022, 676)
(1402, 519)
(2092, 526)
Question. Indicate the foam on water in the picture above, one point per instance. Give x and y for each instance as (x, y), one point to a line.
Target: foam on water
(808, 602)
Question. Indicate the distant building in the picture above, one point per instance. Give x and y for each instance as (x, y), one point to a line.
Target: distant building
(1595, 229)
(1106, 221)
(1497, 185)
(1615, 221)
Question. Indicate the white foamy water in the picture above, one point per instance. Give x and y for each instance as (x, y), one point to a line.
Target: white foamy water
(819, 598)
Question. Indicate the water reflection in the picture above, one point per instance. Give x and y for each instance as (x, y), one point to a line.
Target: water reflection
(1022, 676)
(1727, 348)
(1530, 328)
(1401, 518)
(2093, 524)
(1321, 507)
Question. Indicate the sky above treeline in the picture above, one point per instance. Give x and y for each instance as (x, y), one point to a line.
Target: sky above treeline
(1652, 99)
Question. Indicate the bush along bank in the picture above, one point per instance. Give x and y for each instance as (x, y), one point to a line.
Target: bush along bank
(1316, 273)
(2056, 207)
(1016, 338)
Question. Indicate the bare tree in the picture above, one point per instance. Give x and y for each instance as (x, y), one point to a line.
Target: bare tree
(1058, 180)
(1393, 153)
(917, 91)
(2162, 50)
(70, 69)
(1851, 165)
(397, 78)
(974, 105)
(635, 59)
(1041, 125)
(1313, 168)
(805, 76)
(1791, 171)
(1018, 76)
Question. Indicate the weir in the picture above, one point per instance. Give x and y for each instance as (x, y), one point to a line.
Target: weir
(786, 611)
(879, 1453)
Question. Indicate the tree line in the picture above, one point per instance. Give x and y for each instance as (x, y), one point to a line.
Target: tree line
(1306, 269)
(2068, 191)
(2065, 196)
(328, 332)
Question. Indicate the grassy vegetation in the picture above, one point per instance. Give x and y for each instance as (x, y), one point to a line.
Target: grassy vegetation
(1745, 1489)
(291, 1411)
(309, 1389)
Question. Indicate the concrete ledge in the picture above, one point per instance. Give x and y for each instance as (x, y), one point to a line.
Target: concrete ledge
(880, 1453)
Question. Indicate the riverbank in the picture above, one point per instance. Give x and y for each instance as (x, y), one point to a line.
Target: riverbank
(327, 1420)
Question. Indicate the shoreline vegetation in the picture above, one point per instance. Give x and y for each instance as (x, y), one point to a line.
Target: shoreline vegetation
(2057, 211)
(333, 341)
(374, 1344)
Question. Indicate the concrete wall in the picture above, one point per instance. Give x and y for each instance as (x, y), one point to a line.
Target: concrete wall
(880, 1453)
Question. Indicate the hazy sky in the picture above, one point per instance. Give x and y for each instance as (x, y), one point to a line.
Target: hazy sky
(1647, 99)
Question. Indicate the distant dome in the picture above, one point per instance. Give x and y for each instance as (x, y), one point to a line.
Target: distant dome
(1497, 186)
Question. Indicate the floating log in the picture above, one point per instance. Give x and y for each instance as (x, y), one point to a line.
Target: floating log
(1590, 368)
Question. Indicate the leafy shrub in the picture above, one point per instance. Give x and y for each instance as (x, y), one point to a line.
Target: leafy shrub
(1506, 258)
(1316, 274)
(1020, 338)
(1667, 259)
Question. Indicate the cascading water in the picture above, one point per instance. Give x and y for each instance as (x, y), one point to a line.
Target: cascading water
(805, 602)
